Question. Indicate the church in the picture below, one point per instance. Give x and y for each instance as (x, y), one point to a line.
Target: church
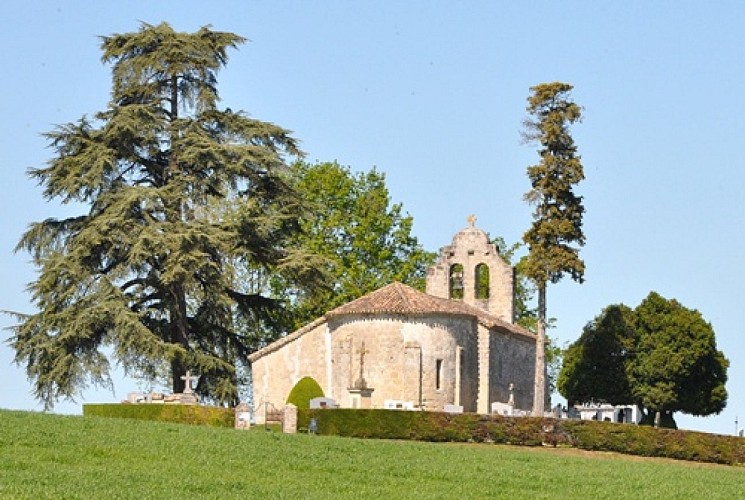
(455, 347)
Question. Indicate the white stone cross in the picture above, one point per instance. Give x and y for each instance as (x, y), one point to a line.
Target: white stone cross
(188, 378)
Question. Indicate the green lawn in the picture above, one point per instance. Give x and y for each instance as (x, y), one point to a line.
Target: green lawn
(50, 456)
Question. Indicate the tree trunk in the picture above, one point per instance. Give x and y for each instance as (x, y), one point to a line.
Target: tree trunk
(179, 327)
(179, 335)
(539, 390)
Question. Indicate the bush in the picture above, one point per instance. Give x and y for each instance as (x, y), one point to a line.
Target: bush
(181, 414)
(306, 389)
(528, 431)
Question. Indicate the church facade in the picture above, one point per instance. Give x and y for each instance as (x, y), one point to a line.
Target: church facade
(455, 346)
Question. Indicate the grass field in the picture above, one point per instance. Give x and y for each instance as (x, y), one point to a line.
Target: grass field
(51, 456)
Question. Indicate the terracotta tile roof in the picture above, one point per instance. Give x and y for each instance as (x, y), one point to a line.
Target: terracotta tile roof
(398, 298)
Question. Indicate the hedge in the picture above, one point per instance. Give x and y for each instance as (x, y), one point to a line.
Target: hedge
(182, 414)
(527, 431)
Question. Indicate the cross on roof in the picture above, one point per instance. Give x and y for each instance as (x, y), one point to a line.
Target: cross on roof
(471, 220)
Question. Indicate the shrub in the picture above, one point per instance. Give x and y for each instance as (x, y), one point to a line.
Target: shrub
(528, 431)
(306, 389)
(182, 414)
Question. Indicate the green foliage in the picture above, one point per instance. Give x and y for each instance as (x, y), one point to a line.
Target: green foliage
(556, 232)
(676, 365)
(306, 389)
(595, 365)
(146, 273)
(426, 426)
(649, 442)
(470, 427)
(660, 356)
(557, 219)
(179, 414)
(365, 240)
(125, 458)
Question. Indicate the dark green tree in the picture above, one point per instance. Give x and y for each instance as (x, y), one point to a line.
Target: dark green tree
(594, 367)
(365, 240)
(146, 272)
(556, 233)
(675, 365)
(659, 356)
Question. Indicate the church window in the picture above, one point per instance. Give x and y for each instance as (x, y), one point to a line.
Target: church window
(438, 374)
(456, 281)
(482, 282)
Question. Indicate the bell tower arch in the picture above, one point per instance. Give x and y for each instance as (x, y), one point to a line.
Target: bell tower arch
(470, 269)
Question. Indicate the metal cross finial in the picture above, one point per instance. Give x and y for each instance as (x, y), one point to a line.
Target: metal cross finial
(188, 378)
(471, 220)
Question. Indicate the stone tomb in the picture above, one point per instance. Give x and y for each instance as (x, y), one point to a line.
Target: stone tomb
(319, 403)
(188, 397)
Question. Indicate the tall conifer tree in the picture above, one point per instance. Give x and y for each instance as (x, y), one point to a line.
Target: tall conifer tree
(146, 273)
(556, 233)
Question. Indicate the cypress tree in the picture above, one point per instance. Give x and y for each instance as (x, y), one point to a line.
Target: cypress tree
(556, 232)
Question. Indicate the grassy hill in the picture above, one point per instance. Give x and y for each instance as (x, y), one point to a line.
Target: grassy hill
(51, 456)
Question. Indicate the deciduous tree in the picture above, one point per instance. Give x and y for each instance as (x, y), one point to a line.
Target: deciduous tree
(660, 356)
(365, 239)
(145, 272)
(594, 367)
(675, 365)
(556, 233)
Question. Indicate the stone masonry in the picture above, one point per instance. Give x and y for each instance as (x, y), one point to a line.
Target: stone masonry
(425, 350)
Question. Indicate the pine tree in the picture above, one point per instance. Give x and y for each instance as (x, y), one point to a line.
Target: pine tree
(556, 232)
(146, 273)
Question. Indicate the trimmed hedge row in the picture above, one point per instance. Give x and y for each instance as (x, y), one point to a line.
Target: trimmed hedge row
(528, 431)
(180, 414)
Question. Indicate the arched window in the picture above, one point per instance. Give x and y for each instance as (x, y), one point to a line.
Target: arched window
(456, 281)
(482, 282)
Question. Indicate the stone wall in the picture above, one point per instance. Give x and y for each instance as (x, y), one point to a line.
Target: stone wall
(512, 362)
(471, 247)
(276, 373)
(400, 361)
(401, 358)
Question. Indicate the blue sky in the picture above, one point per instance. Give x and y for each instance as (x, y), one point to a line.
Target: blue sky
(434, 94)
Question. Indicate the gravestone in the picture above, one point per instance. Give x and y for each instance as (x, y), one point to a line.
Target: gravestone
(453, 409)
(503, 409)
(395, 404)
(187, 397)
(242, 416)
(322, 402)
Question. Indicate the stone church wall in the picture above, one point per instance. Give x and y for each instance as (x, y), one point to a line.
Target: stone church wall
(512, 362)
(401, 359)
(276, 373)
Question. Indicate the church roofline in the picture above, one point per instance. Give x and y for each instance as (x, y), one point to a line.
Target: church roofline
(281, 342)
(399, 299)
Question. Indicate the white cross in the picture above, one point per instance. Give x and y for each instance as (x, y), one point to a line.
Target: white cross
(187, 380)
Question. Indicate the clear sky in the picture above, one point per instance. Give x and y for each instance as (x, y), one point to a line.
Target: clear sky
(433, 94)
